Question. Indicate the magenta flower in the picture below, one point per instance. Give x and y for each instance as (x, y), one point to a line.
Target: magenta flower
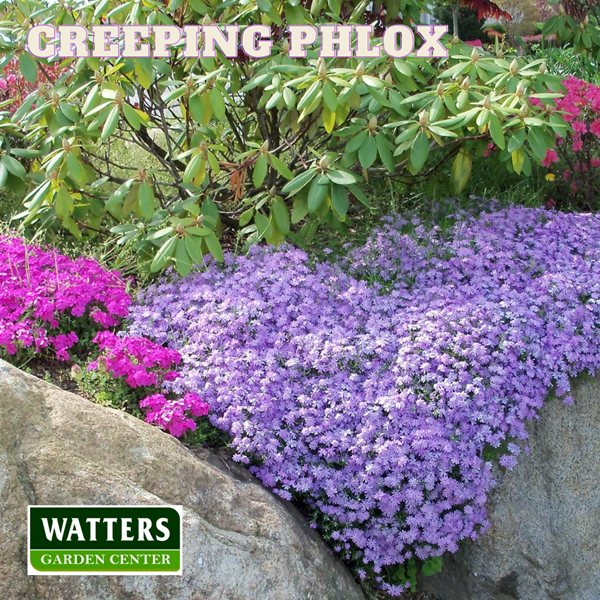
(551, 157)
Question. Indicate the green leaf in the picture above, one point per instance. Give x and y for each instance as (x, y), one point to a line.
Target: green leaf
(194, 247)
(496, 132)
(341, 177)
(246, 217)
(281, 216)
(111, 123)
(329, 97)
(516, 141)
(461, 171)
(218, 104)
(385, 152)
(196, 108)
(316, 195)
(432, 565)
(63, 204)
(3, 175)
(280, 166)
(295, 185)
(210, 210)
(192, 168)
(28, 67)
(263, 225)
(183, 262)
(518, 158)
(300, 209)
(113, 204)
(537, 142)
(132, 117)
(340, 200)
(419, 151)
(75, 169)
(359, 195)
(367, 153)
(213, 244)
(163, 255)
(14, 166)
(260, 171)
(356, 142)
(146, 200)
(309, 95)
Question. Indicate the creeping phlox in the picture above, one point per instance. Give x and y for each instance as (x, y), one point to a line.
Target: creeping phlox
(373, 388)
(41, 290)
(142, 363)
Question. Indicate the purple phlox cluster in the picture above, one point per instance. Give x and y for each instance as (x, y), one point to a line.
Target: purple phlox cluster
(375, 388)
(40, 289)
(143, 363)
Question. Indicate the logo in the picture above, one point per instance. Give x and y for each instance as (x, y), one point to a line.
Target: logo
(104, 540)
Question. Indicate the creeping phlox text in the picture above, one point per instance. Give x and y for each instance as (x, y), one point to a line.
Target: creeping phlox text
(156, 41)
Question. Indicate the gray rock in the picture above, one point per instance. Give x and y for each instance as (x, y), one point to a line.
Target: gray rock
(240, 542)
(544, 539)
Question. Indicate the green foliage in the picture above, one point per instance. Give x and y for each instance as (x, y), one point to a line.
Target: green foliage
(272, 148)
(566, 62)
(581, 34)
(496, 27)
(470, 27)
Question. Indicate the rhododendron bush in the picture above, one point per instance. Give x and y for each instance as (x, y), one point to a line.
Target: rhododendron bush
(574, 162)
(269, 148)
(377, 387)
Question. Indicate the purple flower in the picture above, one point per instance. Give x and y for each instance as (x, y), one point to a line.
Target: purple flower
(372, 387)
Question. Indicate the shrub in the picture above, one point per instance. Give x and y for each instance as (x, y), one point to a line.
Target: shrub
(574, 163)
(15, 88)
(376, 389)
(271, 148)
(48, 300)
(470, 26)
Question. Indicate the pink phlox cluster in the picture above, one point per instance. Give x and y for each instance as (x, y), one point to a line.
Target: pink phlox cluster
(143, 363)
(41, 289)
(170, 414)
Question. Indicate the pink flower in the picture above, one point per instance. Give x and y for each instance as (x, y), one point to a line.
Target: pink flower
(595, 162)
(567, 175)
(551, 157)
(577, 146)
(595, 127)
(579, 127)
(3, 84)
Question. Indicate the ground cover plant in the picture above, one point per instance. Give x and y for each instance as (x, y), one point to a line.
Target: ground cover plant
(378, 390)
(48, 300)
(62, 308)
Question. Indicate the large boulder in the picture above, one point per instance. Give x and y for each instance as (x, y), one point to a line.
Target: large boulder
(239, 541)
(544, 539)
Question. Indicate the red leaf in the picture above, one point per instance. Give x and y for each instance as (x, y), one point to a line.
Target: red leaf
(486, 8)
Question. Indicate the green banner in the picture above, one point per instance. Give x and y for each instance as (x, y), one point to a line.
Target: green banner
(110, 560)
(104, 540)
